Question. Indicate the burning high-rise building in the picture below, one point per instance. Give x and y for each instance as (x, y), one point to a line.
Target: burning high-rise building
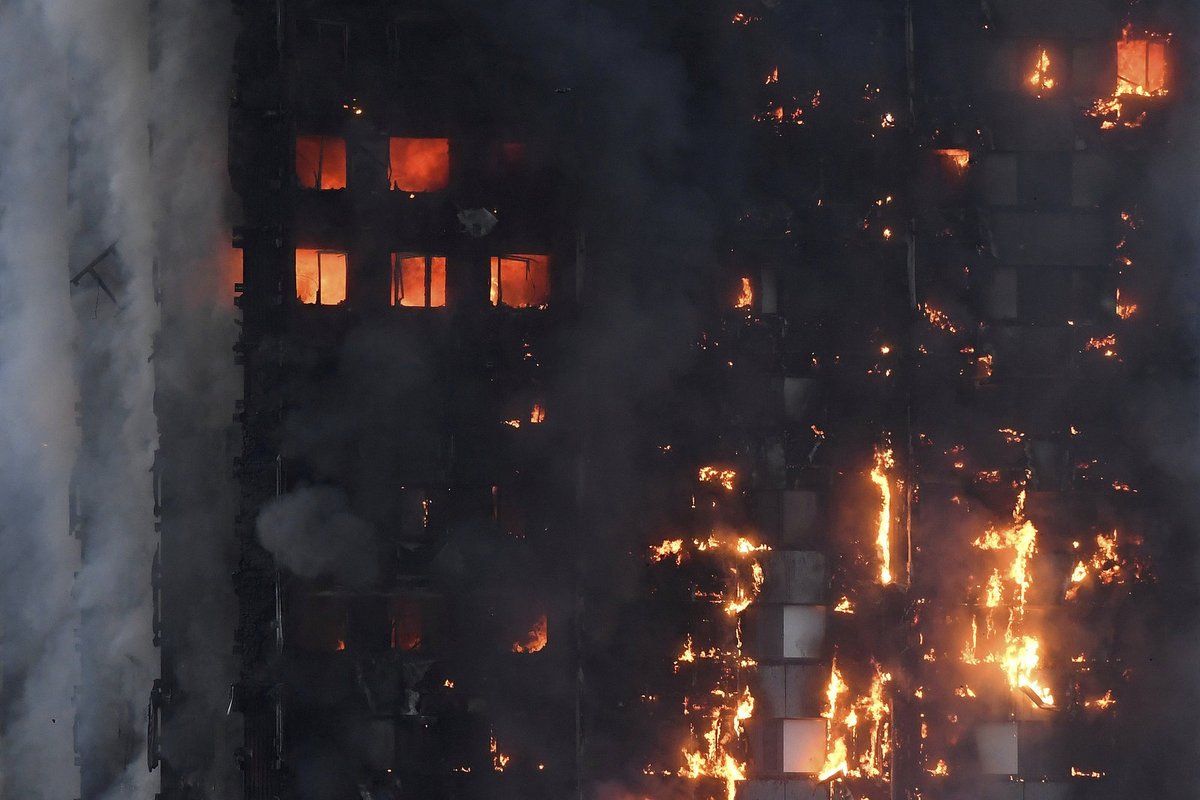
(630, 401)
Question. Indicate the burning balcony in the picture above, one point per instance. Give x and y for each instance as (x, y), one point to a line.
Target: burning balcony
(520, 281)
(320, 277)
(321, 162)
(418, 281)
(418, 165)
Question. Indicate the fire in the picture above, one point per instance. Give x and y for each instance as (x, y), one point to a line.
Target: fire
(320, 277)
(939, 319)
(341, 645)
(418, 165)
(449, 684)
(940, 769)
(535, 641)
(1040, 80)
(724, 477)
(772, 77)
(537, 415)
(1076, 772)
(1107, 701)
(1107, 564)
(844, 606)
(499, 760)
(1141, 72)
(733, 704)
(1017, 653)
(964, 692)
(746, 298)
(957, 158)
(884, 462)
(1105, 344)
(858, 735)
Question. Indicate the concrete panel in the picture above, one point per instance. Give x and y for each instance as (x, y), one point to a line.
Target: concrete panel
(1002, 294)
(794, 576)
(997, 743)
(789, 632)
(789, 690)
(998, 175)
(795, 746)
(1051, 238)
(797, 396)
(1059, 790)
(1091, 179)
(799, 511)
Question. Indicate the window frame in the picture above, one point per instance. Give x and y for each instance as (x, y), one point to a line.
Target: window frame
(398, 278)
(496, 277)
(324, 251)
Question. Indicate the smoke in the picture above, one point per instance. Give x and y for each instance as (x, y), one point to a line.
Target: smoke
(37, 420)
(82, 143)
(313, 533)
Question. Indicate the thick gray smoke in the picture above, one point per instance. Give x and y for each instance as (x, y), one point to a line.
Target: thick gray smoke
(82, 138)
(313, 533)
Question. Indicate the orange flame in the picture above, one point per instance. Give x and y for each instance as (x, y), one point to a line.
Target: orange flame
(883, 541)
(1040, 80)
(746, 298)
(535, 641)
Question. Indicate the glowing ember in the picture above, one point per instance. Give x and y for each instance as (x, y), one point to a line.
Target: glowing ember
(1103, 344)
(1040, 80)
(746, 298)
(499, 760)
(1076, 772)
(883, 541)
(724, 477)
(535, 641)
(938, 319)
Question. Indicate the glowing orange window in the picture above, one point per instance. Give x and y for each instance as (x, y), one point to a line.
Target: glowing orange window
(320, 277)
(418, 280)
(520, 281)
(1141, 66)
(418, 165)
(321, 162)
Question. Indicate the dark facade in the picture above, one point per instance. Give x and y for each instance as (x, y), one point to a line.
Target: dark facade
(513, 277)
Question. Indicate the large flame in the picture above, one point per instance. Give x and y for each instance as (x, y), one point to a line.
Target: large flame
(883, 537)
(535, 640)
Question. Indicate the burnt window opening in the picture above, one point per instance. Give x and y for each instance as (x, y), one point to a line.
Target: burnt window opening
(323, 41)
(320, 277)
(321, 162)
(520, 281)
(1141, 66)
(407, 624)
(418, 281)
(418, 165)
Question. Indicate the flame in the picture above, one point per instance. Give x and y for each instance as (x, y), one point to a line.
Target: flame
(844, 606)
(1076, 772)
(1141, 72)
(535, 641)
(884, 461)
(724, 477)
(320, 277)
(939, 319)
(772, 77)
(746, 298)
(537, 415)
(724, 728)
(499, 760)
(1017, 653)
(418, 165)
(1105, 344)
(1107, 701)
(449, 684)
(341, 645)
(957, 158)
(1040, 80)
(940, 769)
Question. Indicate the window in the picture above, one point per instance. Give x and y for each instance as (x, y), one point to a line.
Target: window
(418, 281)
(418, 165)
(520, 281)
(321, 162)
(320, 277)
(1141, 66)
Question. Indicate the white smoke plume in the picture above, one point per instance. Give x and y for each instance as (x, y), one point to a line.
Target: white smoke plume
(96, 95)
